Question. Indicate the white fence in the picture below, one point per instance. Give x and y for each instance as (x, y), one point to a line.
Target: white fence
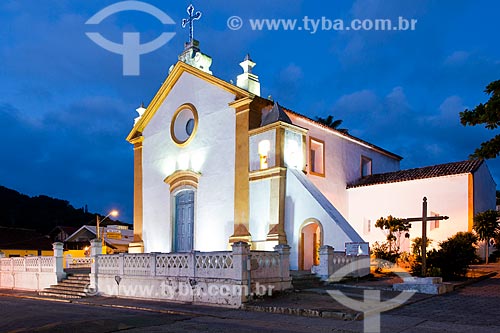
(78, 262)
(224, 278)
(32, 273)
(331, 262)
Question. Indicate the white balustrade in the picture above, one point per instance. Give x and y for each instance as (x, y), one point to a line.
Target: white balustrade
(82, 262)
(108, 264)
(265, 264)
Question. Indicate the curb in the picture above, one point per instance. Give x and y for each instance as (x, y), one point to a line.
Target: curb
(37, 298)
(142, 308)
(472, 281)
(304, 312)
(116, 306)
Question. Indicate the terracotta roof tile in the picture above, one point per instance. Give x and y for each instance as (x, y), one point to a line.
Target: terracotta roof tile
(448, 169)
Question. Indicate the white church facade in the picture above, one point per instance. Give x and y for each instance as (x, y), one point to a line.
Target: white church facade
(215, 163)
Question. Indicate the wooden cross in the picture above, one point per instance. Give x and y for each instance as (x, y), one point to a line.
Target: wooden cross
(424, 218)
(192, 17)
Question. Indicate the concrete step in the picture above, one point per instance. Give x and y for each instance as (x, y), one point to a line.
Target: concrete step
(58, 295)
(65, 292)
(79, 277)
(305, 280)
(74, 283)
(71, 287)
(77, 270)
(66, 288)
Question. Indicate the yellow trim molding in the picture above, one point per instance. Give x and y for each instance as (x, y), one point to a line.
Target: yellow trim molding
(470, 199)
(193, 110)
(323, 158)
(182, 178)
(241, 173)
(180, 68)
(138, 193)
(267, 173)
(277, 125)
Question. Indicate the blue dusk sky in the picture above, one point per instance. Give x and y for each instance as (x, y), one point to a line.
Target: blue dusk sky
(66, 107)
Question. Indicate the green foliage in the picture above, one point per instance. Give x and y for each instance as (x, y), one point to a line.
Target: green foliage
(395, 229)
(486, 226)
(489, 115)
(416, 246)
(454, 257)
(381, 251)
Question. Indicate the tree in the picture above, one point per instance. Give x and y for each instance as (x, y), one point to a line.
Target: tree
(416, 246)
(395, 229)
(489, 115)
(328, 121)
(486, 226)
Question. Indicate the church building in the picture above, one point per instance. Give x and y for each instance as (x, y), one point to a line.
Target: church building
(215, 163)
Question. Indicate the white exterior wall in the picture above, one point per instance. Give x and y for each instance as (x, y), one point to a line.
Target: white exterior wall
(301, 205)
(484, 190)
(211, 153)
(445, 196)
(342, 162)
(260, 209)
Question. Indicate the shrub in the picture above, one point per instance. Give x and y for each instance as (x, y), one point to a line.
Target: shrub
(454, 257)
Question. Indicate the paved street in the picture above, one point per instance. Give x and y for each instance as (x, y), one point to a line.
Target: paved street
(25, 315)
(474, 308)
(471, 309)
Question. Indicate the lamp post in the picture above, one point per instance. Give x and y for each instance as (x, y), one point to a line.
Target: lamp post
(113, 213)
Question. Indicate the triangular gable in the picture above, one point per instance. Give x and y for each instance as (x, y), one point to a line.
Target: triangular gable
(180, 68)
(83, 227)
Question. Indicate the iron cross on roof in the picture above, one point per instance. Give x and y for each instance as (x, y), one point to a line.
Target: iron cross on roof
(424, 218)
(192, 17)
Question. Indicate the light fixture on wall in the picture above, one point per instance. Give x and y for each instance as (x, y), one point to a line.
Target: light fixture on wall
(264, 147)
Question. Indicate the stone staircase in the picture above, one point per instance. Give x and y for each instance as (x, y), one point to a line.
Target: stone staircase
(73, 287)
(305, 280)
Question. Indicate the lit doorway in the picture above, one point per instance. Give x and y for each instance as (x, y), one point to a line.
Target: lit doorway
(310, 241)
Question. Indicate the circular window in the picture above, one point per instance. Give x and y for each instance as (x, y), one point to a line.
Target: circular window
(184, 124)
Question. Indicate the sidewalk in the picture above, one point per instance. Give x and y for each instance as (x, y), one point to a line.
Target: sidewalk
(310, 303)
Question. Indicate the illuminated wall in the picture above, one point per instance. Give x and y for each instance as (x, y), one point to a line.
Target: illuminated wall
(342, 162)
(445, 196)
(211, 153)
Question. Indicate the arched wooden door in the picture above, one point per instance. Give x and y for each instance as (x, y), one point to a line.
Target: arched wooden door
(310, 242)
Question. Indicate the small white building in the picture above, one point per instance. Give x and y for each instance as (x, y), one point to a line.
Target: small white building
(215, 163)
(459, 190)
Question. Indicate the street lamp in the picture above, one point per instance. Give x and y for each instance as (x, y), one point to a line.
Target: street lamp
(113, 213)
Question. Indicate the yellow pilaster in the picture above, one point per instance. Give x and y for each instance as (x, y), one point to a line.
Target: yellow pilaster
(277, 212)
(137, 246)
(241, 176)
(471, 201)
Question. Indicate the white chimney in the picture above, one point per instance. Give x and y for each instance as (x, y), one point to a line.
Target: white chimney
(248, 80)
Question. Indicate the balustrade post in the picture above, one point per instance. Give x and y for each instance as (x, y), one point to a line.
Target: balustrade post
(58, 248)
(242, 266)
(326, 267)
(152, 264)
(95, 251)
(121, 264)
(284, 252)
